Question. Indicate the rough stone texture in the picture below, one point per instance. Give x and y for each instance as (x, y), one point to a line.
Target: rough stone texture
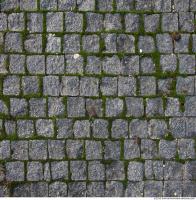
(97, 98)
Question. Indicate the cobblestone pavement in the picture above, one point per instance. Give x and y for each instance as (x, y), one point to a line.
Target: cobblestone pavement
(98, 98)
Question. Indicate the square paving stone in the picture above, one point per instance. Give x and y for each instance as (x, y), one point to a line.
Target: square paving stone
(186, 22)
(37, 107)
(149, 149)
(172, 189)
(71, 43)
(95, 189)
(51, 86)
(147, 65)
(70, 86)
(90, 43)
(55, 65)
(112, 150)
(111, 65)
(81, 129)
(25, 128)
(153, 188)
(114, 107)
(34, 171)
(38, 150)
(56, 149)
(96, 171)
(134, 106)
(100, 128)
(33, 43)
(130, 65)
(131, 149)
(168, 63)
(135, 171)
(94, 22)
(45, 127)
(5, 149)
(17, 64)
(75, 107)
(28, 5)
(19, 150)
(190, 105)
(94, 65)
(134, 189)
(86, 5)
(186, 148)
(36, 64)
(115, 171)
(93, 150)
(48, 4)
(125, 43)
(138, 128)
(11, 85)
(186, 64)
(35, 22)
(185, 86)
(167, 149)
(73, 22)
(146, 44)
(55, 106)
(164, 43)
(16, 22)
(170, 22)
(94, 107)
(124, 5)
(53, 44)
(112, 22)
(77, 189)
(173, 170)
(15, 171)
(75, 149)
(147, 85)
(18, 107)
(64, 128)
(78, 170)
(66, 5)
(58, 189)
(114, 189)
(151, 22)
(126, 86)
(109, 86)
(30, 85)
(54, 22)
(154, 107)
(182, 46)
(59, 170)
(132, 22)
(119, 128)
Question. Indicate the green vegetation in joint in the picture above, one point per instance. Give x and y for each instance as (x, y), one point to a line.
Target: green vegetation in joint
(177, 159)
(182, 102)
(169, 137)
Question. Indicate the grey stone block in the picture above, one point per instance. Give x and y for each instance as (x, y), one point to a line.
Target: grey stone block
(130, 65)
(172, 189)
(190, 170)
(3, 20)
(134, 106)
(138, 128)
(53, 44)
(16, 22)
(30, 85)
(181, 6)
(154, 169)
(94, 107)
(81, 129)
(105, 5)
(119, 128)
(177, 127)
(153, 188)
(190, 105)
(189, 189)
(131, 149)
(19, 150)
(48, 4)
(109, 86)
(134, 189)
(93, 150)
(147, 85)
(112, 150)
(64, 128)
(14, 171)
(149, 149)
(86, 5)
(78, 170)
(154, 107)
(38, 150)
(165, 86)
(35, 22)
(112, 22)
(182, 46)
(73, 22)
(96, 189)
(51, 86)
(109, 42)
(173, 170)
(114, 189)
(37, 107)
(132, 22)
(151, 22)
(74, 64)
(186, 21)
(58, 189)
(55, 106)
(126, 86)
(168, 63)
(96, 171)
(18, 107)
(45, 127)
(59, 170)
(71, 43)
(186, 64)
(185, 86)
(34, 171)
(170, 22)
(135, 171)
(75, 149)
(55, 64)
(22, 190)
(167, 149)
(36, 64)
(28, 5)
(172, 107)
(157, 128)
(33, 43)
(125, 43)
(115, 171)
(17, 64)
(147, 65)
(56, 149)
(39, 189)
(94, 65)
(70, 86)
(114, 107)
(10, 127)
(111, 65)
(100, 128)
(124, 5)
(94, 22)
(77, 189)
(25, 128)
(146, 44)
(11, 85)
(66, 5)
(5, 150)
(75, 107)
(186, 148)
(54, 22)
(90, 43)
(89, 86)
(164, 43)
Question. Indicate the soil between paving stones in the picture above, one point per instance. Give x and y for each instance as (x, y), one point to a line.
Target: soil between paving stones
(98, 98)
